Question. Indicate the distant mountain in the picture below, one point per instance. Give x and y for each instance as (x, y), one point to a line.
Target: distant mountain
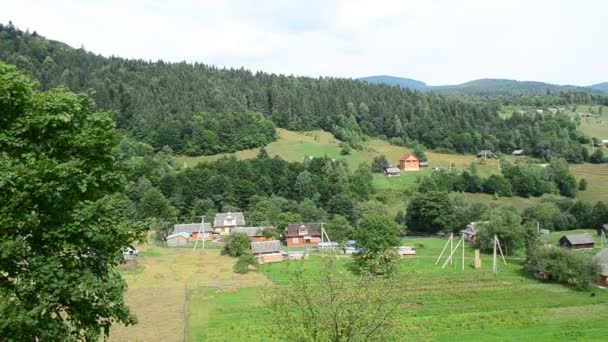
(486, 86)
(392, 80)
(603, 87)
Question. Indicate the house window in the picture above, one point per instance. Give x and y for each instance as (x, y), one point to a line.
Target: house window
(295, 240)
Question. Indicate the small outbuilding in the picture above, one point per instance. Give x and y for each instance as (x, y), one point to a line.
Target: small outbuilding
(267, 251)
(409, 162)
(178, 239)
(392, 172)
(406, 250)
(424, 164)
(603, 229)
(519, 153)
(601, 259)
(471, 230)
(577, 241)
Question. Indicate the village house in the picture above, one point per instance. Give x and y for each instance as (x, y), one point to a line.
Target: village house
(486, 154)
(519, 153)
(267, 251)
(601, 259)
(577, 241)
(392, 172)
(409, 162)
(192, 229)
(224, 222)
(178, 240)
(255, 233)
(303, 234)
(471, 230)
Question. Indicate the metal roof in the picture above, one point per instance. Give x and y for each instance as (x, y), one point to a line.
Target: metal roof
(579, 239)
(265, 247)
(183, 234)
(190, 228)
(602, 259)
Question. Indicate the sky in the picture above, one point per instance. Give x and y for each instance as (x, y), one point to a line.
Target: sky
(436, 41)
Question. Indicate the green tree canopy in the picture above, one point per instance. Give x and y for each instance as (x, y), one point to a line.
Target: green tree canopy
(63, 217)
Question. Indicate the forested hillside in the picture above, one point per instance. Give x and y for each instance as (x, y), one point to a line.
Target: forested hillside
(200, 109)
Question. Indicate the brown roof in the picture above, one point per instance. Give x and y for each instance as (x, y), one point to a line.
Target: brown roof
(314, 229)
(408, 156)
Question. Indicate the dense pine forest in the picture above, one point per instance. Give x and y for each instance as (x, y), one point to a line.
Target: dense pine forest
(198, 109)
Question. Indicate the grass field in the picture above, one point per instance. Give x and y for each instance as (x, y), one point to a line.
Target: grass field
(597, 178)
(441, 304)
(158, 289)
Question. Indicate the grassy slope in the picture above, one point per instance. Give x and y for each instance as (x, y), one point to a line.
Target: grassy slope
(445, 305)
(157, 289)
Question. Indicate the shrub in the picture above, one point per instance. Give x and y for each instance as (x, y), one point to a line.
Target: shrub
(244, 261)
(562, 265)
(236, 245)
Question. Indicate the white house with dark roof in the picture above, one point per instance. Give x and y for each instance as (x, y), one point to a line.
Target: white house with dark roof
(224, 222)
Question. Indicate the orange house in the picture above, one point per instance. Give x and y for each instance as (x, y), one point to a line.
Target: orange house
(409, 162)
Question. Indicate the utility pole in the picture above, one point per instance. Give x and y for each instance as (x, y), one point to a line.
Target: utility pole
(444, 248)
(201, 233)
(462, 238)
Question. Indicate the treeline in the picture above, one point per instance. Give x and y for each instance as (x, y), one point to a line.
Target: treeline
(168, 103)
(561, 98)
(516, 179)
(271, 191)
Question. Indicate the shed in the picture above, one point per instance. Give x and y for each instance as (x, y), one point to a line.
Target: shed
(424, 164)
(409, 162)
(601, 259)
(303, 234)
(392, 172)
(486, 154)
(178, 239)
(577, 241)
(519, 153)
(471, 230)
(192, 229)
(262, 247)
(223, 222)
(406, 250)
(603, 229)
(328, 245)
(267, 251)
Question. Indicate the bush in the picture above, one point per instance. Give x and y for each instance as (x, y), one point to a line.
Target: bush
(562, 265)
(242, 264)
(346, 149)
(236, 245)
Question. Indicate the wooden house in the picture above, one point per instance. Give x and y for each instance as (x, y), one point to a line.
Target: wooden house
(193, 229)
(267, 251)
(224, 222)
(519, 153)
(471, 230)
(178, 240)
(255, 233)
(303, 234)
(486, 154)
(601, 259)
(392, 172)
(577, 241)
(409, 162)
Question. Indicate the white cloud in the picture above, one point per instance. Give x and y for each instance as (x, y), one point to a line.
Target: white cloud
(436, 41)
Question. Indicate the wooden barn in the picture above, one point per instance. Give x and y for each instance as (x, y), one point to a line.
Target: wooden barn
(267, 251)
(577, 241)
(224, 222)
(193, 229)
(409, 162)
(178, 240)
(255, 233)
(392, 172)
(601, 259)
(303, 234)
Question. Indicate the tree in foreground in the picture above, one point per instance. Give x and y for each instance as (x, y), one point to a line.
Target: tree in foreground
(377, 236)
(62, 217)
(336, 306)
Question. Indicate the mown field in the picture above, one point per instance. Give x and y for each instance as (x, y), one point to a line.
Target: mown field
(440, 304)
